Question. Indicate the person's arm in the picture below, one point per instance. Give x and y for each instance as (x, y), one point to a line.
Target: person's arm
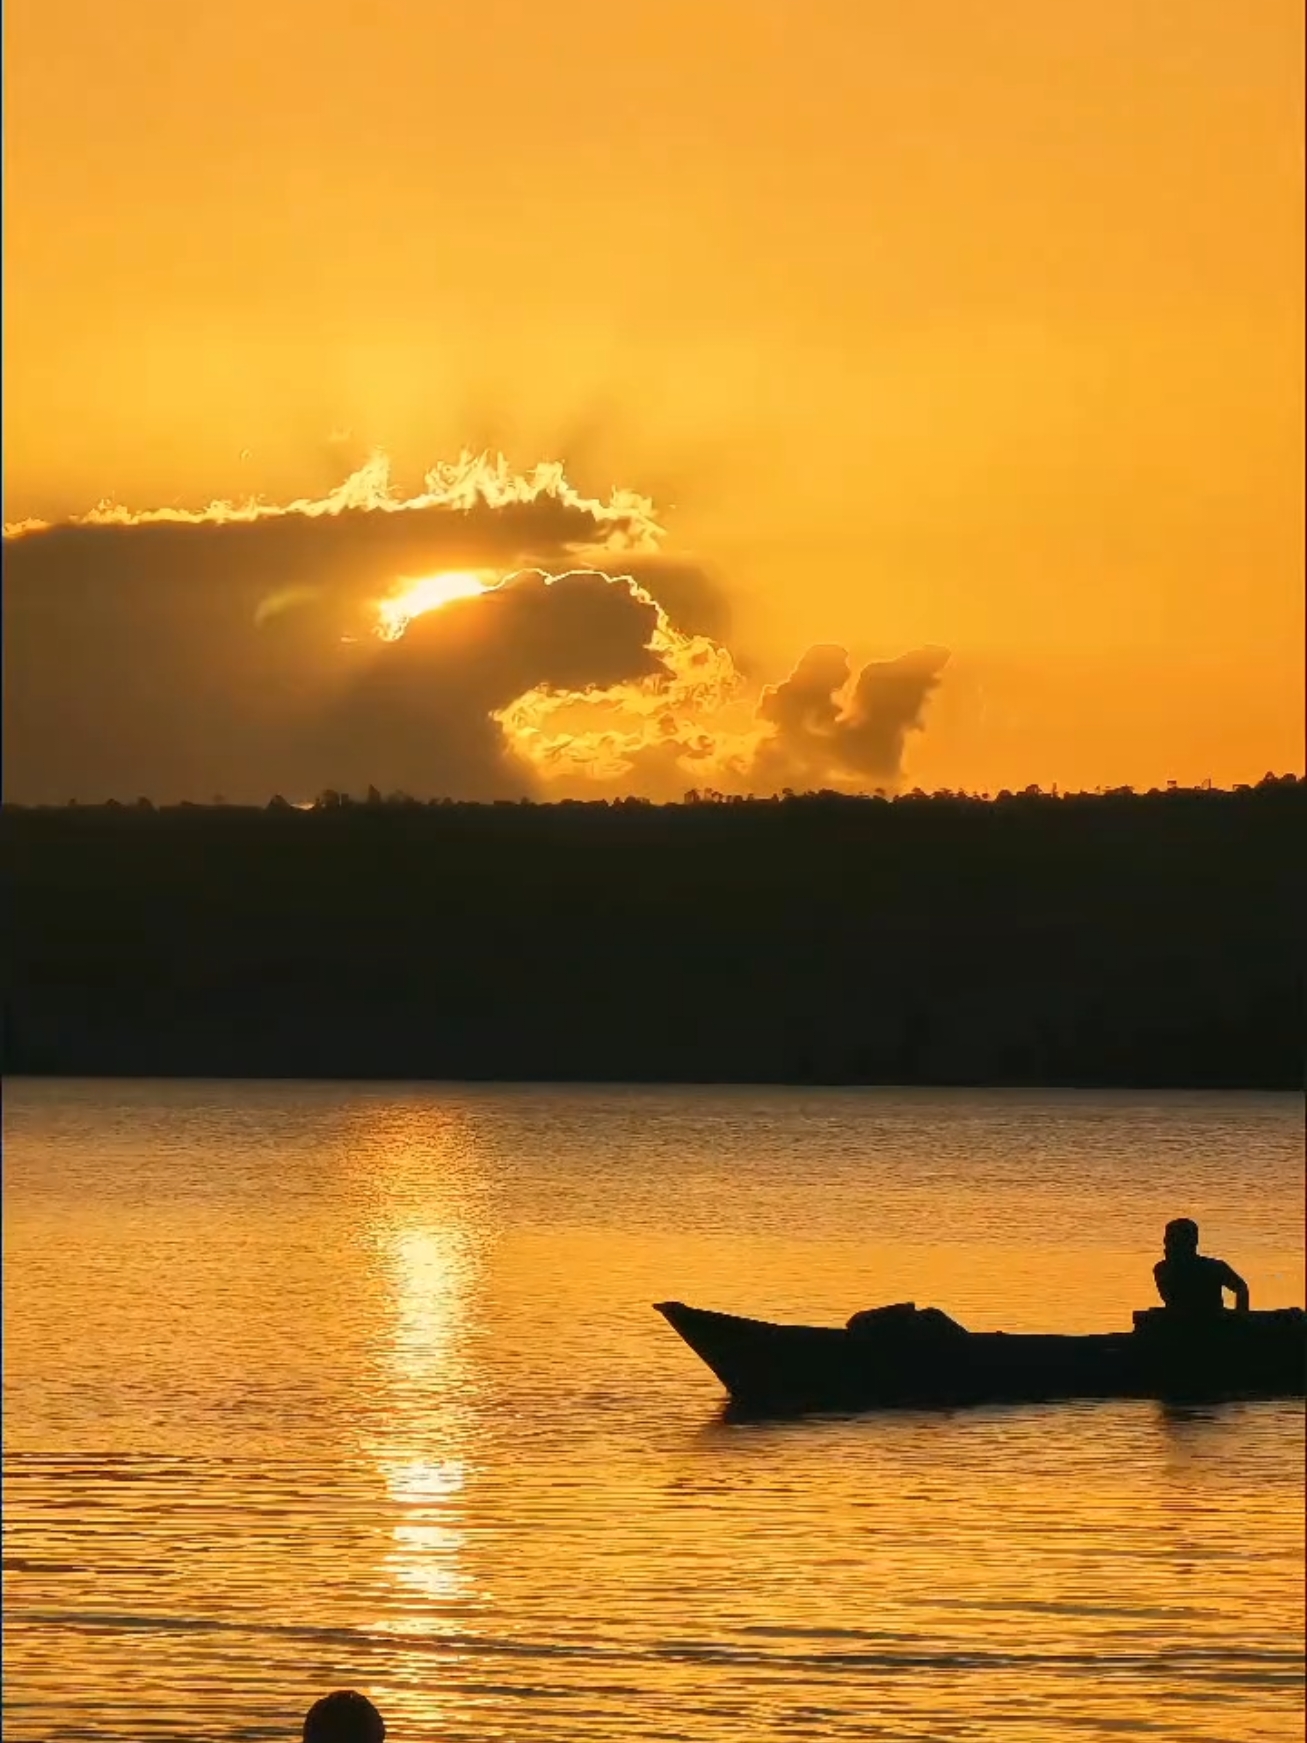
(1231, 1280)
(1159, 1277)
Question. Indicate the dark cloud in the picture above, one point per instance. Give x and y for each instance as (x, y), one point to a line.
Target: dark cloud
(419, 716)
(151, 574)
(185, 658)
(691, 596)
(236, 652)
(826, 734)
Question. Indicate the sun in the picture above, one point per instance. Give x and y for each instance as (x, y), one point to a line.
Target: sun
(414, 598)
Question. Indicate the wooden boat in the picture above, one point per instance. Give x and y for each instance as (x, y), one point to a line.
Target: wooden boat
(899, 1356)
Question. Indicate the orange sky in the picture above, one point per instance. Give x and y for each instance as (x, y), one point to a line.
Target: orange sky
(956, 323)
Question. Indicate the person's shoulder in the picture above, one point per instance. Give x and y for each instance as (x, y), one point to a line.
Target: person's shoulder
(1216, 1267)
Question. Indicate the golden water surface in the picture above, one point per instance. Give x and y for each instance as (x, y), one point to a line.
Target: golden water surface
(320, 1385)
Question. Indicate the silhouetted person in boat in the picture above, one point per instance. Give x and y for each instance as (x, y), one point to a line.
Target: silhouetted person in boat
(344, 1717)
(1188, 1281)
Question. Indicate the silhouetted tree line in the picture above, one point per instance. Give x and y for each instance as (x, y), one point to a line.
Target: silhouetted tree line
(1097, 939)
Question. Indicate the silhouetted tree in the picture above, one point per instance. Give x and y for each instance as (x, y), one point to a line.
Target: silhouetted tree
(1077, 938)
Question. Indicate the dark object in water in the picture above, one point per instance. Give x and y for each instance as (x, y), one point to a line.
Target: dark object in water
(900, 1356)
(344, 1717)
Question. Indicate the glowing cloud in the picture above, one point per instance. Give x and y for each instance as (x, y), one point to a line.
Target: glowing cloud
(625, 522)
(601, 733)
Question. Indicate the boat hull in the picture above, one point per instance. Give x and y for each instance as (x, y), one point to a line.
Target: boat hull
(794, 1368)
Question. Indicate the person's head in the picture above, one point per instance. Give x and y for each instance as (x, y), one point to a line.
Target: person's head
(344, 1717)
(1181, 1237)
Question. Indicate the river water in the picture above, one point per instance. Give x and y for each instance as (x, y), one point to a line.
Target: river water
(312, 1385)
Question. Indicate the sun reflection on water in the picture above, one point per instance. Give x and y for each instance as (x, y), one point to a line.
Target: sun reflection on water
(428, 1548)
(421, 1183)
